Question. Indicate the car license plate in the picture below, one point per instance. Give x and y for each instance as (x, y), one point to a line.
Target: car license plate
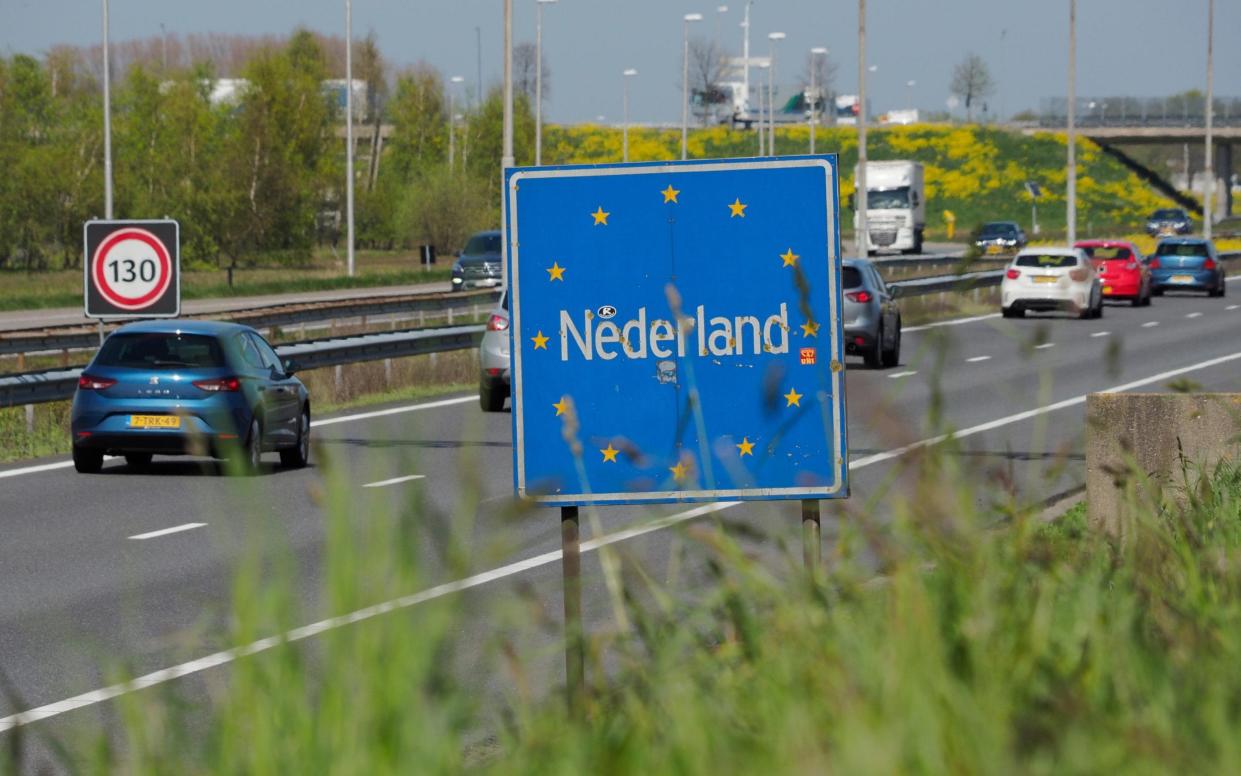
(1182, 278)
(993, 249)
(154, 421)
(1107, 289)
(1046, 278)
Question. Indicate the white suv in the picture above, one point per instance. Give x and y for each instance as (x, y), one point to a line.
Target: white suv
(1051, 279)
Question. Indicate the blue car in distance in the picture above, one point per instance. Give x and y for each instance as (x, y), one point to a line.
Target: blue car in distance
(182, 387)
(1186, 264)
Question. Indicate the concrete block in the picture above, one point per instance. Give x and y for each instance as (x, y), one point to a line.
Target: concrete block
(1157, 434)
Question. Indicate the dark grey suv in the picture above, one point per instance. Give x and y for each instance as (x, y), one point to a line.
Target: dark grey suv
(872, 319)
(479, 265)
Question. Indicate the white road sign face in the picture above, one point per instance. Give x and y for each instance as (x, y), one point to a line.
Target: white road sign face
(131, 268)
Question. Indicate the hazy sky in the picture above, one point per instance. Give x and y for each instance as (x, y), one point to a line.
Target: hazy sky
(1125, 47)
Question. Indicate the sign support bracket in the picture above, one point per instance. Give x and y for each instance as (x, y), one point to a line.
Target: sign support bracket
(575, 643)
(810, 536)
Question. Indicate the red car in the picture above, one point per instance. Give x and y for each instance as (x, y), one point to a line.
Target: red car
(1122, 271)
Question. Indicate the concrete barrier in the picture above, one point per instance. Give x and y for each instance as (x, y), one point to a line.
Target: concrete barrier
(1160, 435)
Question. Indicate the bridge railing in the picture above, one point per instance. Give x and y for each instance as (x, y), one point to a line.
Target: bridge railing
(1178, 111)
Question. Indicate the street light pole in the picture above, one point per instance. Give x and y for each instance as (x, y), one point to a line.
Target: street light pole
(860, 199)
(689, 17)
(771, 92)
(910, 84)
(815, 53)
(1071, 173)
(625, 126)
(538, 82)
(1208, 201)
(506, 160)
(745, 57)
(349, 131)
(452, 120)
(107, 121)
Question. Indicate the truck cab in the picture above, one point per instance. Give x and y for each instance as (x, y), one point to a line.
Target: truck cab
(895, 206)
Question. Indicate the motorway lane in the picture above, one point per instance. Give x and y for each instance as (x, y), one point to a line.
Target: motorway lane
(74, 591)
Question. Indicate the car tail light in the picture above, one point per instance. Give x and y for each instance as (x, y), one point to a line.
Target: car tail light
(219, 385)
(92, 383)
(1154, 264)
(1013, 274)
(1078, 275)
(859, 296)
(1209, 263)
(497, 323)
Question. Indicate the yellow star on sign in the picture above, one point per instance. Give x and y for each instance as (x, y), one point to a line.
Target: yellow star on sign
(679, 472)
(810, 329)
(561, 406)
(793, 398)
(609, 453)
(540, 341)
(555, 272)
(600, 216)
(670, 194)
(746, 447)
(789, 257)
(737, 208)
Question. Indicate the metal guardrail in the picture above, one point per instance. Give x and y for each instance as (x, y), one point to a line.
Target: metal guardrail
(59, 384)
(82, 336)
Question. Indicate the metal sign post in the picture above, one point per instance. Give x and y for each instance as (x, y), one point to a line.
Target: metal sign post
(676, 337)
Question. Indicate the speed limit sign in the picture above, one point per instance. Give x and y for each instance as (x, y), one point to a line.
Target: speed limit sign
(132, 269)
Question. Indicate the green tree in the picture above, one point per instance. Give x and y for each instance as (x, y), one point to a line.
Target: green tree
(486, 138)
(419, 114)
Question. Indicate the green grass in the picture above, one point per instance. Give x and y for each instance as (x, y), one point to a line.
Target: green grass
(21, 290)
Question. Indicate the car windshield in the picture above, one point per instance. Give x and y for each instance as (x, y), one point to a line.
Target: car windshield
(997, 230)
(160, 351)
(1168, 215)
(1101, 253)
(482, 243)
(1046, 260)
(852, 277)
(1181, 249)
(889, 199)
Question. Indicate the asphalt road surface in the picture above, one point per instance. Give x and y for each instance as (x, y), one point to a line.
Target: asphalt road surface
(134, 568)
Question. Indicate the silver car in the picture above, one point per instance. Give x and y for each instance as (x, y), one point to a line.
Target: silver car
(872, 319)
(493, 359)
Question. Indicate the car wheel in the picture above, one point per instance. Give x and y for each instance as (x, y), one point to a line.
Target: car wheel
(298, 456)
(251, 457)
(892, 356)
(1013, 312)
(138, 460)
(87, 461)
(491, 395)
(874, 355)
(1098, 310)
(1156, 291)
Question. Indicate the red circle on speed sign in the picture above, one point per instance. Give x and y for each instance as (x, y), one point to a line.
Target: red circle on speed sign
(131, 268)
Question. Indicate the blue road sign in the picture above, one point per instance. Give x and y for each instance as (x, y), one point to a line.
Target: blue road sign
(676, 331)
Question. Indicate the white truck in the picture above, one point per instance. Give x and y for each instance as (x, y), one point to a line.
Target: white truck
(895, 206)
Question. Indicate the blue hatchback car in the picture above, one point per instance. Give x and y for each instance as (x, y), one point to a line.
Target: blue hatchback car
(1186, 264)
(182, 387)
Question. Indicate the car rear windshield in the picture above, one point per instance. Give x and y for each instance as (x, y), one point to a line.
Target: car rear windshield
(1049, 260)
(852, 277)
(1108, 254)
(482, 243)
(160, 351)
(1181, 249)
(1167, 215)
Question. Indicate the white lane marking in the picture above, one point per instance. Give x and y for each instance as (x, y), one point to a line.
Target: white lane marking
(953, 322)
(1231, 307)
(297, 634)
(976, 359)
(1150, 324)
(43, 467)
(167, 531)
(394, 481)
(1045, 346)
(394, 411)
(908, 373)
(1193, 315)
(1100, 334)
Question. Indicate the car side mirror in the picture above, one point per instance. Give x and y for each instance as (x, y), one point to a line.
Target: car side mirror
(291, 367)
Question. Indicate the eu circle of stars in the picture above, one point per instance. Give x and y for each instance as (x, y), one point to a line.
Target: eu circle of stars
(673, 332)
